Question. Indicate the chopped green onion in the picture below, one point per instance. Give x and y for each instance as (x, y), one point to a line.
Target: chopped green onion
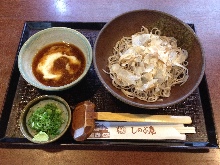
(47, 119)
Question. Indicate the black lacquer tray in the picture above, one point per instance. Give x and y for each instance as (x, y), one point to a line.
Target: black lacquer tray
(19, 93)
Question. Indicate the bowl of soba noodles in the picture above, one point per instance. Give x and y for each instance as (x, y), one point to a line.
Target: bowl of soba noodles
(148, 59)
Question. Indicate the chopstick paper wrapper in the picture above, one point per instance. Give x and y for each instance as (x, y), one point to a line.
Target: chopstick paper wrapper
(139, 130)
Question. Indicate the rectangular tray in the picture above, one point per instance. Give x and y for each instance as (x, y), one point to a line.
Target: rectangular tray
(19, 93)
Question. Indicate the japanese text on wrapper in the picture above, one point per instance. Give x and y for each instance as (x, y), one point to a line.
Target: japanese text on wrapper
(137, 130)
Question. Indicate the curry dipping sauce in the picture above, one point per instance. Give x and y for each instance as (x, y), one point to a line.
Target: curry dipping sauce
(58, 64)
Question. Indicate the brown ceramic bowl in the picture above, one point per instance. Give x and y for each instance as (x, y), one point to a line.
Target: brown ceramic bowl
(130, 23)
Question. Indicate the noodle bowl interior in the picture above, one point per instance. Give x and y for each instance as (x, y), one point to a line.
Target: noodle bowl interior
(146, 65)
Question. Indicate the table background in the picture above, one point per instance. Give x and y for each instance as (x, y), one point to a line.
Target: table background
(204, 14)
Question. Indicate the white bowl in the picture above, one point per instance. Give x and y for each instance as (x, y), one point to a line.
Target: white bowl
(44, 38)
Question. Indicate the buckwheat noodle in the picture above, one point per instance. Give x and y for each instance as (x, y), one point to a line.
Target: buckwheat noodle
(146, 65)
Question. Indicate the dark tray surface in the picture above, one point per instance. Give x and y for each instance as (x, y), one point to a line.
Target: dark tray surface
(20, 93)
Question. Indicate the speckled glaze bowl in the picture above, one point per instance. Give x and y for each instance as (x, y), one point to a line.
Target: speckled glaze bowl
(43, 38)
(130, 23)
(27, 111)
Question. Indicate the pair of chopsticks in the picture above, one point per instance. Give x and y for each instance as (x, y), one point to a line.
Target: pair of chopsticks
(140, 126)
(140, 130)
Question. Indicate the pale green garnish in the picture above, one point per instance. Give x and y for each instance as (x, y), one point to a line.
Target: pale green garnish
(41, 136)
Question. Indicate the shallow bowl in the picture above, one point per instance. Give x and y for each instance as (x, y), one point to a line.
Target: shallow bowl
(28, 110)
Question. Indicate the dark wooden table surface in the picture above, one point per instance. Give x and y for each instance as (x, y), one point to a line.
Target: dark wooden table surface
(203, 13)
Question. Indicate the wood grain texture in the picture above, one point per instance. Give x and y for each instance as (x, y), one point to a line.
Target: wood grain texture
(108, 116)
(204, 14)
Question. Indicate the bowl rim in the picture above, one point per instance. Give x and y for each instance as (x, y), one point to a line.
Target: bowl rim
(36, 100)
(38, 84)
(148, 106)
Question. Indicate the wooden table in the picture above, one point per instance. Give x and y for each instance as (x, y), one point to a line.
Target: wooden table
(203, 13)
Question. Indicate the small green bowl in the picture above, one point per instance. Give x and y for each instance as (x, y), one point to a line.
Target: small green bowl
(46, 37)
(28, 110)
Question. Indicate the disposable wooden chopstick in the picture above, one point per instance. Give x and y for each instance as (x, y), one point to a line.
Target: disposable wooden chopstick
(179, 127)
(139, 130)
(109, 116)
(186, 129)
